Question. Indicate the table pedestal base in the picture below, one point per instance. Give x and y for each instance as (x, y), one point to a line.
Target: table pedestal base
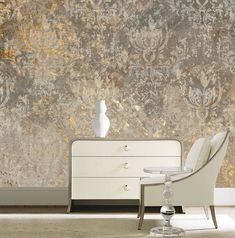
(167, 211)
(166, 231)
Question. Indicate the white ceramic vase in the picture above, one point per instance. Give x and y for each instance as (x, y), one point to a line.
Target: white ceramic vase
(100, 123)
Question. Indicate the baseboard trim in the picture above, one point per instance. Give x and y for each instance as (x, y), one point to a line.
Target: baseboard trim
(224, 197)
(59, 196)
(33, 196)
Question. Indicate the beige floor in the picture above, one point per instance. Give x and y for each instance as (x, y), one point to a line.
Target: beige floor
(53, 222)
(219, 210)
(230, 211)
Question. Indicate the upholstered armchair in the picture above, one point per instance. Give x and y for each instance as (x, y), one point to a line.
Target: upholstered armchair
(193, 189)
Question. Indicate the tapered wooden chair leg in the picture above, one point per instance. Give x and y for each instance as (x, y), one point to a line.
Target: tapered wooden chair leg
(212, 208)
(141, 217)
(206, 212)
(141, 208)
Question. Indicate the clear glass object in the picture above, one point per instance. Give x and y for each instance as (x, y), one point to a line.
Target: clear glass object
(167, 210)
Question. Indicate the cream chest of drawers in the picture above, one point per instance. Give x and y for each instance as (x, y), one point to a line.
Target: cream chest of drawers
(110, 169)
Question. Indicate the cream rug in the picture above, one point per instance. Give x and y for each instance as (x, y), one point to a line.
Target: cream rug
(106, 226)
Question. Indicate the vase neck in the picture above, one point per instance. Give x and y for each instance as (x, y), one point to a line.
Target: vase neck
(101, 107)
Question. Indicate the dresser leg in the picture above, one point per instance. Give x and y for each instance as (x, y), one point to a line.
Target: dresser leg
(139, 209)
(69, 206)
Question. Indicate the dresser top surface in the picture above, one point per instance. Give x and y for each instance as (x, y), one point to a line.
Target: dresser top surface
(121, 139)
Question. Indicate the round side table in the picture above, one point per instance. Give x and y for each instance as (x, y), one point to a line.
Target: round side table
(167, 210)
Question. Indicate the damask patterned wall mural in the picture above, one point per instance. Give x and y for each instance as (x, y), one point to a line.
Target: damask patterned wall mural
(165, 68)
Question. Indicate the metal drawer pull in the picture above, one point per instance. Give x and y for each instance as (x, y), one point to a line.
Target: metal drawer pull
(126, 188)
(126, 148)
(126, 165)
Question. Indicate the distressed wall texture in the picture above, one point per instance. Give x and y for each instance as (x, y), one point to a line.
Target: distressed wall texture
(165, 68)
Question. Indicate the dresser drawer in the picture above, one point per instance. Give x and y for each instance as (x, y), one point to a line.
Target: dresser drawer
(105, 188)
(119, 166)
(126, 148)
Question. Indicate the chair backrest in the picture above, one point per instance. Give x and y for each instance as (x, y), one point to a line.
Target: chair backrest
(216, 142)
(198, 154)
(219, 145)
(201, 183)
